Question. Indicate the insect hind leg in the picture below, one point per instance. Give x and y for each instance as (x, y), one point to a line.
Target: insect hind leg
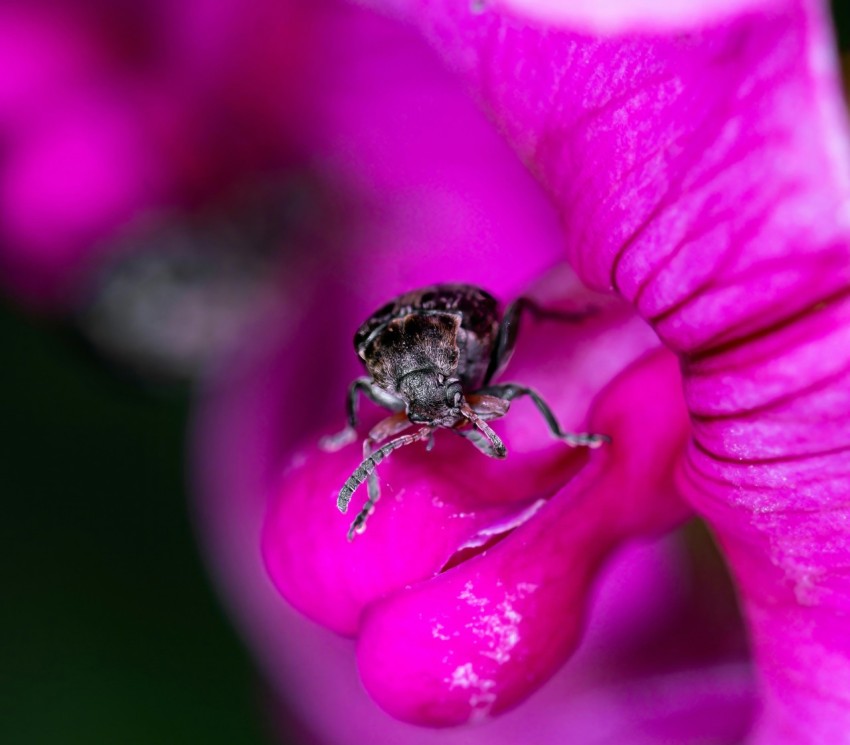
(506, 339)
(510, 391)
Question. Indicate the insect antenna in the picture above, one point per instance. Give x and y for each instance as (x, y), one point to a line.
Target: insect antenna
(498, 450)
(367, 467)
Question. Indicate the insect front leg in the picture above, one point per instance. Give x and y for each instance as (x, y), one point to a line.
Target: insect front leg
(348, 435)
(365, 469)
(510, 391)
(506, 339)
(485, 408)
(383, 430)
(373, 493)
(483, 444)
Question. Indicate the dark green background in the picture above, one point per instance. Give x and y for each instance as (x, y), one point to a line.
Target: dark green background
(109, 631)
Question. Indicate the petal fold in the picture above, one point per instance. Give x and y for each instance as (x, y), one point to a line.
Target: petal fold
(485, 634)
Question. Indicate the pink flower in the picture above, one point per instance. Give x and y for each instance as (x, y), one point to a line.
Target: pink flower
(701, 173)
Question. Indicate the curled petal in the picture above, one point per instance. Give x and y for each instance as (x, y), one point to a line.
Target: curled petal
(480, 637)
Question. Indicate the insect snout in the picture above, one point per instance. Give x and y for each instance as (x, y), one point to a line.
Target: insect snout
(426, 396)
(432, 412)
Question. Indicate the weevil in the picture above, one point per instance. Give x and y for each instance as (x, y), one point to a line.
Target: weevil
(431, 355)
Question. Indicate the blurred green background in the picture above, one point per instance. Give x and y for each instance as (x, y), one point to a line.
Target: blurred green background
(109, 631)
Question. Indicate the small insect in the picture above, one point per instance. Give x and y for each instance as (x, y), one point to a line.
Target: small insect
(431, 355)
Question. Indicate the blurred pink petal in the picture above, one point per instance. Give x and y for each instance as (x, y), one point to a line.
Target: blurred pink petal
(112, 114)
(75, 163)
(61, 193)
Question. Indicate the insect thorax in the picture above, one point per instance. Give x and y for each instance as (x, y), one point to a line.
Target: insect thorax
(415, 342)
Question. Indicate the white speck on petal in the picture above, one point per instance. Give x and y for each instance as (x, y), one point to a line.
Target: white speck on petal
(437, 632)
(499, 628)
(482, 697)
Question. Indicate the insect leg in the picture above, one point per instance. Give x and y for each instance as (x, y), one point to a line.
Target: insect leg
(365, 386)
(479, 440)
(366, 468)
(510, 391)
(496, 447)
(506, 339)
(373, 491)
(386, 428)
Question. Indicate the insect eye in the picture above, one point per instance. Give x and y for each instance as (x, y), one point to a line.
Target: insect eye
(453, 394)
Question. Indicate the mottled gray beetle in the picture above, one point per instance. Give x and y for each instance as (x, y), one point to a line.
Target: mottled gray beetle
(431, 355)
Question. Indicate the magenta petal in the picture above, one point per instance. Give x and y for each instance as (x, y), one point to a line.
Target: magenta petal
(422, 519)
(435, 193)
(704, 176)
(481, 637)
